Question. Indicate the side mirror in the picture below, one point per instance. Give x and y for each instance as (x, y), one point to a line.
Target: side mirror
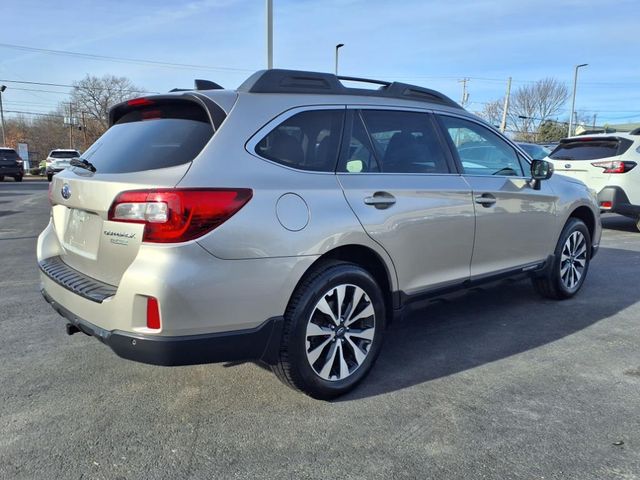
(540, 170)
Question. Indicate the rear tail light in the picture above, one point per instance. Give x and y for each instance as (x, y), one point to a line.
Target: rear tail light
(606, 204)
(615, 166)
(178, 215)
(153, 313)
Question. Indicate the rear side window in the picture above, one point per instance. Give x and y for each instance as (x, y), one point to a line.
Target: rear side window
(591, 148)
(150, 137)
(9, 154)
(308, 141)
(66, 154)
(403, 142)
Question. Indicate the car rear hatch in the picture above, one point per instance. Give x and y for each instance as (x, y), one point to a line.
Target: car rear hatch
(588, 158)
(150, 145)
(8, 160)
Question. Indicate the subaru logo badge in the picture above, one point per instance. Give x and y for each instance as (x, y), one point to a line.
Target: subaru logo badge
(66, 191)
(567, 166)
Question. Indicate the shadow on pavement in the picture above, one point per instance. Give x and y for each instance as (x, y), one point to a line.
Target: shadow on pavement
(487, 325)
(620, 223)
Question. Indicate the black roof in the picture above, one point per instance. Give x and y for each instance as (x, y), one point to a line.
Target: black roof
(297, 81)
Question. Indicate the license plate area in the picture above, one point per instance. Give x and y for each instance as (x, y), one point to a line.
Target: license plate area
(82, 234)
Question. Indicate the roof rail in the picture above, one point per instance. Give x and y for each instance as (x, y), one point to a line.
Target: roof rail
(296, 81)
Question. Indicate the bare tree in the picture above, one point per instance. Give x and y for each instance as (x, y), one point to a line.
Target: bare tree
(532, 105)
(94, 96)
(492, 112)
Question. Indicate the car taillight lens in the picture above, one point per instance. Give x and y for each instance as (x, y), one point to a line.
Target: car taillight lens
(615, 166)
(606, 204)
(178, 215)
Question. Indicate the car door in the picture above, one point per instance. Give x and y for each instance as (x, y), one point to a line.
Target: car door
(515, 223)
(397, 176)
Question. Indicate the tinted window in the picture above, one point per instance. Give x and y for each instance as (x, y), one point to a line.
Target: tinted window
(590, 148)
(360, 156)
(481, 151)
(64, 154)
(9, 154)
(308, 141)
(403, 142)
(537, 152)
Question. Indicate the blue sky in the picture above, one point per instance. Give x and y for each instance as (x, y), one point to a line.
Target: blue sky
(429, 43)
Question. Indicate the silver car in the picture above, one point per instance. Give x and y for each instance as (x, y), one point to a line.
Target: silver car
(292, 220)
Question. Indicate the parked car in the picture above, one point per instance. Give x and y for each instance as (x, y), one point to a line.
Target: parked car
(535, 151)
(607, 163)
(11, 164)
(58, 160)
(291, 220)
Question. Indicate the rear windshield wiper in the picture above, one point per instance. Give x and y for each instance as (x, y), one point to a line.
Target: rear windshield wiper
(87, 165)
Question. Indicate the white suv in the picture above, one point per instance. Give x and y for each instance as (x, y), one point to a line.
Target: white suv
(608, 164)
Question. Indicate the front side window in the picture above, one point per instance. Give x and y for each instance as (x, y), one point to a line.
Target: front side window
(308, 141)
(481, 151)
(402, 142)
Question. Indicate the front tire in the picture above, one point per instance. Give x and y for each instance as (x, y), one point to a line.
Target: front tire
(49, 176)
(566, 274)
(333, 330)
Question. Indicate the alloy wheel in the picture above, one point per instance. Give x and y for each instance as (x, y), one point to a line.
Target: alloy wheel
(340, 332)
(573, 260)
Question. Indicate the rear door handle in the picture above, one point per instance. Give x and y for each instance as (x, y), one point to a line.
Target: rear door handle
(380, 200)
(486, 199)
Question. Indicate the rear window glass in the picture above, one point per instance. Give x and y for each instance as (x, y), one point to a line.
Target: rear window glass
(156, 136)
(8, 153)
(591, 149)
(308, 141)
(64, 154)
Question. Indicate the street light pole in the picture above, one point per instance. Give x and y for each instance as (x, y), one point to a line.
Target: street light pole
(4, 140)
(573, 101)
(338, 46)
(269, 7)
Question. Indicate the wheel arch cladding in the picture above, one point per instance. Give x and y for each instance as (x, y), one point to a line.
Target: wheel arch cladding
(368, 259)
(586, 215)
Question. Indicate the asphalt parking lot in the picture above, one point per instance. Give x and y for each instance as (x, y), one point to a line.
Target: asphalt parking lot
(496, 384)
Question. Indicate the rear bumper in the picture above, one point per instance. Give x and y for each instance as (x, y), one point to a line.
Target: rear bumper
(260, 343)
(11, 172)
(620, 203)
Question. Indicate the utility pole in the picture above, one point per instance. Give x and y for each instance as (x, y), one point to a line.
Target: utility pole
(84, 132)
(505, 109)
(70, 125)
(594, 120)
(4, 140)
(465, 94)
(269, 34)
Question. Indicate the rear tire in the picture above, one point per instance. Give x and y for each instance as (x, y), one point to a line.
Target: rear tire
(333, 330)
(49, 177)
(18, 178)
(1, 178)
(566, 274)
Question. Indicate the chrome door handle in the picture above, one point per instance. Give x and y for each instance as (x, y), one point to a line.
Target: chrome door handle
(486, 199)
(380, 200)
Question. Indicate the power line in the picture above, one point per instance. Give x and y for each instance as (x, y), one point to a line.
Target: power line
(79, 87)
(122, 59)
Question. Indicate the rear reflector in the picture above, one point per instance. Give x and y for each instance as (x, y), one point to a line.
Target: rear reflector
(606, 204)
(153, 313)
(177, 215)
